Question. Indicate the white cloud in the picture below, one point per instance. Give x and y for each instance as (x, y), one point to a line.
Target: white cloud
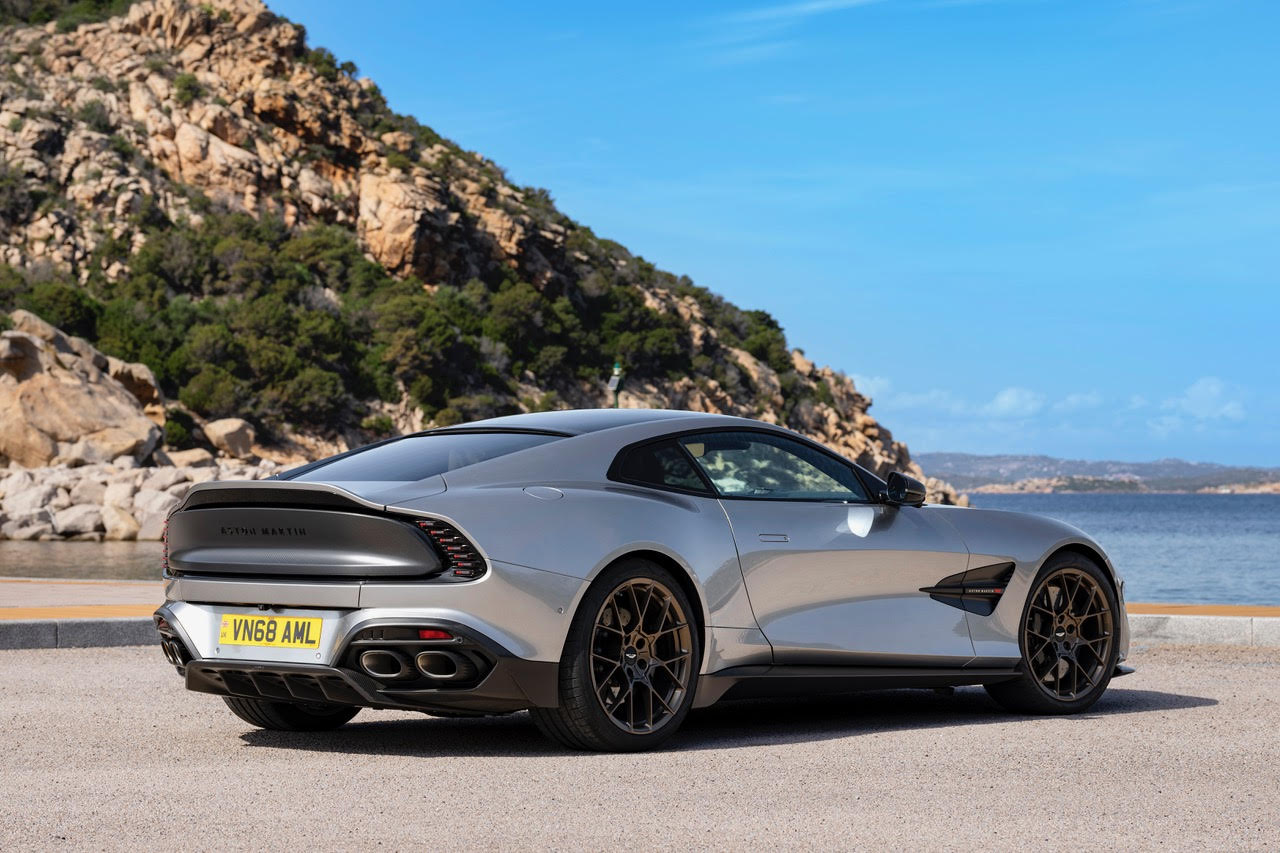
(1137, 401)
(1014, 403)
(1164, 426)
(1080, 400)
(871, 386)
(796, 11)
(1207, 399)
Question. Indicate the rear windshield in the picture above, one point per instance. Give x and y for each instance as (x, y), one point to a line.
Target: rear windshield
(421, 456)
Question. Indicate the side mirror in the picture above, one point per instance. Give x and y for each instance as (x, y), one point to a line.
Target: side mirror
(903, 490)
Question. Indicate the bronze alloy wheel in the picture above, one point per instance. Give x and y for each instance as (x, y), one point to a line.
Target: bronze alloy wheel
(1069, 634)
(641, 656)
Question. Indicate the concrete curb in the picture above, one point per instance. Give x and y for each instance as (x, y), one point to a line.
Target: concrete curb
(76, 633)
(1205, 630)
(1146, 629)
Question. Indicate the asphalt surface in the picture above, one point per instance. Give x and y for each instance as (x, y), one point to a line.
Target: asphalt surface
(104, 749)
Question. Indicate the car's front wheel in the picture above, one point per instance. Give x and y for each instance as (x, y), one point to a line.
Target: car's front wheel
(1068, 640)
(290, 716)
(630, 665)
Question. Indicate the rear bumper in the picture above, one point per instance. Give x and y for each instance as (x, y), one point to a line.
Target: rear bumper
(502, 681)
(526, 611)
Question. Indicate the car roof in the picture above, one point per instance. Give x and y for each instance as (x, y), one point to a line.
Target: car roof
(580, 421)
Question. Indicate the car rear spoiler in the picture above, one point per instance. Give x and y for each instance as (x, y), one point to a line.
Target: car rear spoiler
(275, 493)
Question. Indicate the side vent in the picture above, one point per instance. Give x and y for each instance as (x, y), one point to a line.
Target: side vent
(977, 590)
(462, 560)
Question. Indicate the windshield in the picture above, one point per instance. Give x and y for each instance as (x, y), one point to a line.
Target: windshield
(420, 456)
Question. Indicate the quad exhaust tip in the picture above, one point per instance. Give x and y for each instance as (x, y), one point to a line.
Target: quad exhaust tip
(174, 652)
(445, 666)
(383, 663)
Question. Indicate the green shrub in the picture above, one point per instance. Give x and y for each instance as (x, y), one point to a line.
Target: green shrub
(178, 429)
(16, 201)
(68, 13)
(121, 146)
(323, 61)
(399, 160)
(95, 115)
(102, 84)
(65, 305)
(214, 392)
(379, 425)
(186, 88)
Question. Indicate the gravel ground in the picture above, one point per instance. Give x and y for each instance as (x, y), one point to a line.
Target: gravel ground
(106, 750)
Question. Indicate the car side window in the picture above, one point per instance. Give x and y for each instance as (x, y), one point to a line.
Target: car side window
(663, 465)
(771, 467)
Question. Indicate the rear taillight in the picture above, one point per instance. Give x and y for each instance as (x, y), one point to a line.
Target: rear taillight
(461, 559)
(433, 634)
(164, 551)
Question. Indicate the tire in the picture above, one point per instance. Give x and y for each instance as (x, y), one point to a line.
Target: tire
(290, 716)
(1067, 637)
(616, 669)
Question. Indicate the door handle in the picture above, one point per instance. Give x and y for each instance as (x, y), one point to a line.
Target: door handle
(774, 537)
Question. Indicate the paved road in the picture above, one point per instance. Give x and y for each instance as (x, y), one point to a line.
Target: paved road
(105, 750)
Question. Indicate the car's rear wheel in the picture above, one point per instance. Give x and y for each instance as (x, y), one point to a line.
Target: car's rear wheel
(290, 716)
(630, 665)
(1068, 640)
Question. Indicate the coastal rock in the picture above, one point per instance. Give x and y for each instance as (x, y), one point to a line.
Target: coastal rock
(78, 519)
(31, 532)
(150, 502)
(196, 457)
(233, 436)
(119, 495)
(160, 479)
(120, 525)
(151, 526)
(88, 491)
(29, 500)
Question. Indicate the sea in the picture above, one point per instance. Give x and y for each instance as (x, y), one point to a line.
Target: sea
(1195, 549)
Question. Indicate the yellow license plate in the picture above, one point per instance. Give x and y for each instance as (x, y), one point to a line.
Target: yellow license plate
(287, 632)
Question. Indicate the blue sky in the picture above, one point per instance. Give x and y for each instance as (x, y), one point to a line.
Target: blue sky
(1029, 226)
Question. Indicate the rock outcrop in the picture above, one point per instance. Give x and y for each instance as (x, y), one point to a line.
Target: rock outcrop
(59, 403)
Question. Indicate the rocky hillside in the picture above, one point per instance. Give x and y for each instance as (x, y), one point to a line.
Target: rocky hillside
(194, 193)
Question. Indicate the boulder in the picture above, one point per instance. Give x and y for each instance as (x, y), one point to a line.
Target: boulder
(29, 500)
(233, 436)
(88, 491)
(119, 495)
(15, 483)
(196, 457)
(137, 378)
(162, 478)
(83, 518)
(119, 523)
(149, 502)
(31, 532)
(56, 404)
(151, 526)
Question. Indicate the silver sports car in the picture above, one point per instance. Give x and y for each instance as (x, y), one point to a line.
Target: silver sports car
(609, 570)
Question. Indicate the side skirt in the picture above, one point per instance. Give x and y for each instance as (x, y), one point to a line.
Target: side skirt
(753, 682)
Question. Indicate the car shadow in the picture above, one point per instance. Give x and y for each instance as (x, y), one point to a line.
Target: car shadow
(733, 724)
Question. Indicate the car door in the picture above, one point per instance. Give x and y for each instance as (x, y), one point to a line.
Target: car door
(834, 577)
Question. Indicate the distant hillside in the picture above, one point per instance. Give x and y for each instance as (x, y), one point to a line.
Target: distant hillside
(194, 188)
(971, 471)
